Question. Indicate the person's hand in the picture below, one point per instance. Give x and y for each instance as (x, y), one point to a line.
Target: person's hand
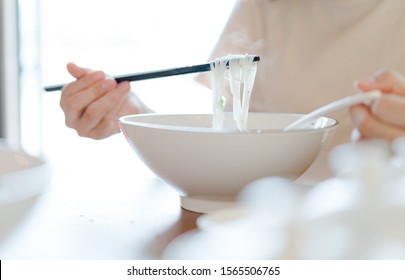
(384, 118)
(93, 103)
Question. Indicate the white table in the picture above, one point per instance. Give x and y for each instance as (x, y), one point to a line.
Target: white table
(102, 203)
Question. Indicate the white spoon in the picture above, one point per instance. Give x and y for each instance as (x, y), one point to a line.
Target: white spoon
(334, 106)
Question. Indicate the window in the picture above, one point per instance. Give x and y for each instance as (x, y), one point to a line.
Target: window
(9, 90)
(120, 36)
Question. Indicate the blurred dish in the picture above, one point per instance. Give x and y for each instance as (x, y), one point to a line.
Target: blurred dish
(22, 178)
(21, 175)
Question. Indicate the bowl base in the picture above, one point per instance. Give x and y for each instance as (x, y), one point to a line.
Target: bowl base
(205, 205)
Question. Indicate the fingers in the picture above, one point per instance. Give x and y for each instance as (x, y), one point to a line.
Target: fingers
(91, 103)
(369, 126)
(385, 81)
(383, 118)
(84, 82)
(75, 103)
(390, 109)
(99, 119)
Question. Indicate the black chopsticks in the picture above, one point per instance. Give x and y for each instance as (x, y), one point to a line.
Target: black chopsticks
(153, 74)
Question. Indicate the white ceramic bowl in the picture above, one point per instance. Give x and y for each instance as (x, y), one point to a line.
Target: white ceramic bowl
(22, 178)
(209, 168)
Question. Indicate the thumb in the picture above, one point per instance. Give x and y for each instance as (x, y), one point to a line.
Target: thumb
(77, 71)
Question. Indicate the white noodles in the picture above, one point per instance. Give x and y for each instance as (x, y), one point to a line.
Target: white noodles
(241, 70)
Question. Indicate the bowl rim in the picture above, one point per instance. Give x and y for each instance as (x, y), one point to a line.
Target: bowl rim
(124, 120)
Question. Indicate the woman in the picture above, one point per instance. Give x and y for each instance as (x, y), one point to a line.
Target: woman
(311, 52)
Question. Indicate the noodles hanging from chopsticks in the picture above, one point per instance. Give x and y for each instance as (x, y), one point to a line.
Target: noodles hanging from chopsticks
(240, 71)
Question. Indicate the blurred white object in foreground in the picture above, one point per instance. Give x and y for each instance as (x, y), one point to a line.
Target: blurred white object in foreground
(356, 215)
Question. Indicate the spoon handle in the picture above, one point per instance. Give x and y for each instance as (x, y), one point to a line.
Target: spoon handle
(334, 106)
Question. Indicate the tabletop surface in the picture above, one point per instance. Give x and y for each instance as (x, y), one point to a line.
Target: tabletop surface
(99, 205)
(103, 203)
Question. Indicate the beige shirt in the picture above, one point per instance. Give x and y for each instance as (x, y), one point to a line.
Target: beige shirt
(312, 50)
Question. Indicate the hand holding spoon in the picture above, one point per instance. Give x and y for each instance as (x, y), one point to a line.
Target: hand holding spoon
(334, 106)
